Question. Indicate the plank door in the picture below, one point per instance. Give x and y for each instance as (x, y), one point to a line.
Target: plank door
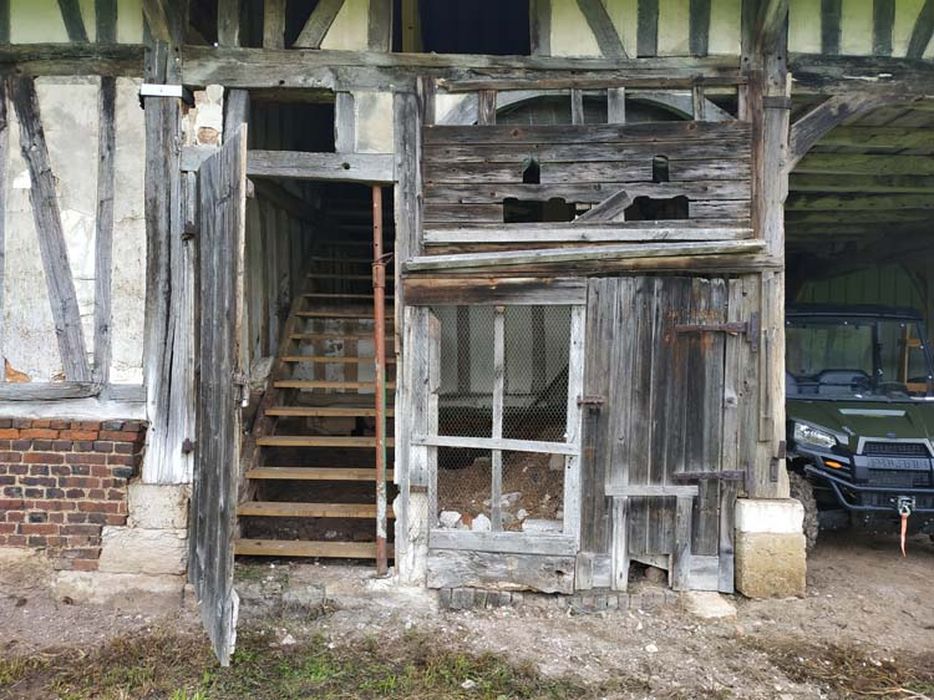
(663, 414)
(222, 202)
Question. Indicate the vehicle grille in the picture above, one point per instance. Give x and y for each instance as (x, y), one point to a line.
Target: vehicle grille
(886, 477)
(896, 449)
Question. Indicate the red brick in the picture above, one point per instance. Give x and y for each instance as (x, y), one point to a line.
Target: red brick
(99, 507)
(43, 458)
(79, 435)
(115, 495)
(37, 541)
(124, 460)
(11, 504)
(97, 494)
(116, 436)
(38, 528)
(11, 457)
(34, 433)
(41, 423)
(82, 482)
(16, 540)
(9, 434)
(84, 565)
(7, 528)
(15, 516)
(54, 505)
(57, 518)
(86, 425)
(85, 459)
(116, 519)
(77, 517)
(59, 424)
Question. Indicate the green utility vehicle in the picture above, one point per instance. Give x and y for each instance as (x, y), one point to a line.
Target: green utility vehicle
(860, 412)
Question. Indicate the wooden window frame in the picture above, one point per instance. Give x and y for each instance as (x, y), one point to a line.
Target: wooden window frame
(499, 540)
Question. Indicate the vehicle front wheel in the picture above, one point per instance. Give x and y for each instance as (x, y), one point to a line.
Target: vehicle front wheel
(802, 490)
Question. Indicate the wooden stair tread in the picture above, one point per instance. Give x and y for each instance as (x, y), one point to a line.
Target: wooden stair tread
(325, 411)
(316, 473)
(329, 359)
(339, 315)
(324, 384)
(337, 335)
(319, 441)
(307, 548)
(295, 509)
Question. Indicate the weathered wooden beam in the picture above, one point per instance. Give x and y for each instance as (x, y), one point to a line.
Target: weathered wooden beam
(269, 68)
(4, 156)
(773, 16)
(589, 231)
(52, 247)
(407, 194)
(506, 542)
(830, 26)
(857, 202)
(880, 184)
(105, 13)
(334, 167)
(274, 24)
(104, 225)
(236, 111)
(904, 79)
(540, 27)
(228, 23)
(345, 130)
(445, 289)
(865, 164)
(699, 27)
(72, 59)
(810, 128)
(318, 24)
(883, 20)
(74, 23)
(36, 391)
(598, 19)
(922, 31)
(4, 21)
(569, 255)
(379, 29)
(647, 28)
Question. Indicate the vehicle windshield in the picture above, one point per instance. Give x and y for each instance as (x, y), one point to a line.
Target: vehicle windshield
(855, 358)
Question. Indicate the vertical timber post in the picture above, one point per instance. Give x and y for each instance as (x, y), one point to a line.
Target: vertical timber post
(379, 342)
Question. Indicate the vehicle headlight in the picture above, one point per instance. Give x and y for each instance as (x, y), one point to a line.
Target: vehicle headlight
(814, 436)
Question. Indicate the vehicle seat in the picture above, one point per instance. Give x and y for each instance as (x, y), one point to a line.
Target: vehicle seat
(840, 382)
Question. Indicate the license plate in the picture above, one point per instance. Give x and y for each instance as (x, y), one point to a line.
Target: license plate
(900, 464)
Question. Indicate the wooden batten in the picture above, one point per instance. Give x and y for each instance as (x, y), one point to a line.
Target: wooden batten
(103, 261)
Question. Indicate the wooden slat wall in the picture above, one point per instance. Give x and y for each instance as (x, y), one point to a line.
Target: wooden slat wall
(469, 171)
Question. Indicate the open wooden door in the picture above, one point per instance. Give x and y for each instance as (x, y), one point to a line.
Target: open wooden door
(662, 439)
(222, 195)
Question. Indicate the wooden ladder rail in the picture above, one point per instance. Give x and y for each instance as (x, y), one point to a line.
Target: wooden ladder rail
(619, 549)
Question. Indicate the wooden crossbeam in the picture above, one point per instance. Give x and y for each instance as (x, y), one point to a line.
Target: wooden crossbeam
(74, 22)
(922, 31)
(903, 79)
(598, 19)
(73, 59)
(52, 247)
(318, 24)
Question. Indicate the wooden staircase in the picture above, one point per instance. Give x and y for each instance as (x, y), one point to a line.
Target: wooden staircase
(312, 479)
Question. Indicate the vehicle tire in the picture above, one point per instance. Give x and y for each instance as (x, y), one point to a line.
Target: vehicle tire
(803, 491)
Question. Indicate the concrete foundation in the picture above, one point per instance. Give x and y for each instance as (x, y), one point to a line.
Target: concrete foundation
(770, 548)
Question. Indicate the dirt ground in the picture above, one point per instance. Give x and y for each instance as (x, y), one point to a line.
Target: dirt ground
(866, 627)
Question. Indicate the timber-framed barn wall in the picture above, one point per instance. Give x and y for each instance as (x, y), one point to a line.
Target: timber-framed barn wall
(656, 247)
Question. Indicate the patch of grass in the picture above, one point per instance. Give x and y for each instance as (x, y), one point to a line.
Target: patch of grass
(180, 667)
(13, 669)
(850, 672)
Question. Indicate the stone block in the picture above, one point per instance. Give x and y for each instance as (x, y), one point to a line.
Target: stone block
(708, 605)
(101, 587)
(769, 564)
(774, 515)
(142, 551)
(158, 506)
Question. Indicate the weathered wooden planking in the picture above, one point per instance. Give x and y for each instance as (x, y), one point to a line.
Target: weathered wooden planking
(531, 234)
(214, 495)
(43, 199)
(429, 291)
(508, 572)
(503, 542)
(334, 167)
(592, 193)
(635, 134)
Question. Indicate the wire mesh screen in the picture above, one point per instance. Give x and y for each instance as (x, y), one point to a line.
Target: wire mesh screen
(528, 401)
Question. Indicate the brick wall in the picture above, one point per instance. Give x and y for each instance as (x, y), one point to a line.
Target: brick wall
(61, 481)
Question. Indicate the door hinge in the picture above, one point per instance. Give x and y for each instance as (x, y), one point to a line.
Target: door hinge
(243, 381)
(592, 403)
(750, 329)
